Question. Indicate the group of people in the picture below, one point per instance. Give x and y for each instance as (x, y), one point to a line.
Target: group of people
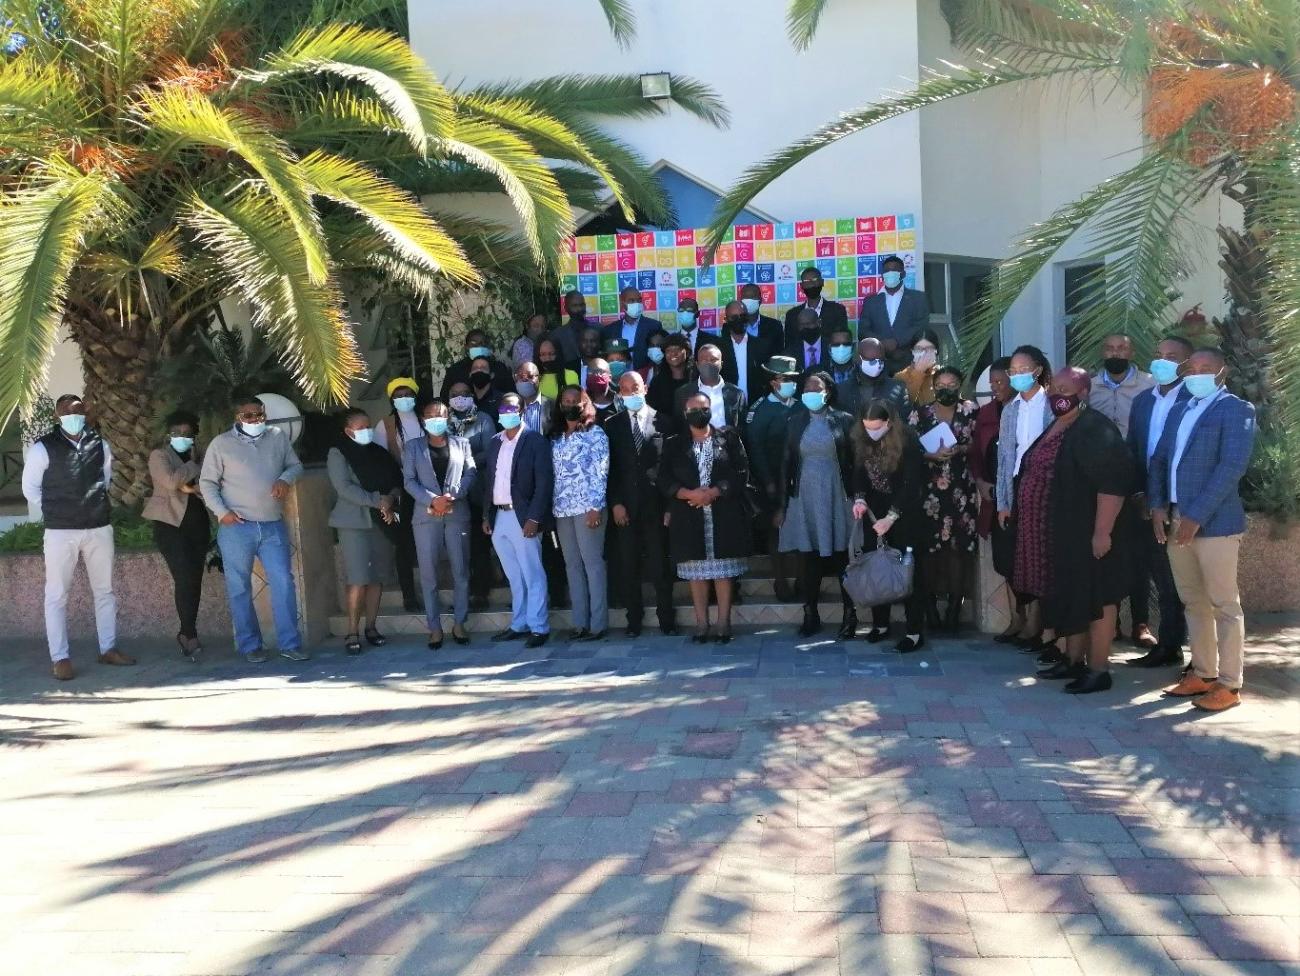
(671, 454)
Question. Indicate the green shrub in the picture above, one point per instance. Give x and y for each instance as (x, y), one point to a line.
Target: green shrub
(1272, 483)
(131, 533)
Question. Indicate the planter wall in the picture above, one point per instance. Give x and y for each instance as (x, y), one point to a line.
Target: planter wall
(1268, 571)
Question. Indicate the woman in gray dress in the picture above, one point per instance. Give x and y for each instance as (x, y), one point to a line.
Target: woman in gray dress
(814, 516)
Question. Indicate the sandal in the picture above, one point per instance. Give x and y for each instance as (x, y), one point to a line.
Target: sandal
(352, 644)
(375, 638)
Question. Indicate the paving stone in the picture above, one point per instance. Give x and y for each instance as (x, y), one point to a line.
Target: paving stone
(1258, 896)
(1250, 937)
(1018, 934)
(1125, 914)
(910, 913)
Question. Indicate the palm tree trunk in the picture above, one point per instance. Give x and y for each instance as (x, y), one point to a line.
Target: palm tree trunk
(1244, 334)
(118, 362)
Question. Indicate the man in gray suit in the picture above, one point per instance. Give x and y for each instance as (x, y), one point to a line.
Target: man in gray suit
(895, 316)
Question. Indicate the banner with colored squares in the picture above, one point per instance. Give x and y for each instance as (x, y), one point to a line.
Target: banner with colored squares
(667, 266)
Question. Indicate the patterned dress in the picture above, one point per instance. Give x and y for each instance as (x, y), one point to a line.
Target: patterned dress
(710, 567)
(952, 500)
(1033, 507)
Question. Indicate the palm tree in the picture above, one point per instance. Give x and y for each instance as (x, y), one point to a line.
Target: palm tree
(160, 156)
(1218, 79)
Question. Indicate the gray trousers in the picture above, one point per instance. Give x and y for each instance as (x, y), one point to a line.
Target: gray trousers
(432, 539)
(584, 565)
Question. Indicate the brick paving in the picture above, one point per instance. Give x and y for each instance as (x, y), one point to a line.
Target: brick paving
(647, 807)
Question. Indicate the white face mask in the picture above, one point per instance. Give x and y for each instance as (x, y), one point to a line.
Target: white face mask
(924, 357)
(878, 433)
(873, 367)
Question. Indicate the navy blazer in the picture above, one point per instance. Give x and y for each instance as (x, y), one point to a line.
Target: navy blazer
(1211, 468)
(1139, 429)
(532, 478)
(421, 480)
(645, 328)
(913, 317)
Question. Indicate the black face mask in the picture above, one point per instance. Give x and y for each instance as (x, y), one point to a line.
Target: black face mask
(736, 325)
(1116, 365)
(699, 417)
(571, 411)
(552, 366)
(946, 397)
(480, 379)
(812, 292)
(577, 316)
(811, 335)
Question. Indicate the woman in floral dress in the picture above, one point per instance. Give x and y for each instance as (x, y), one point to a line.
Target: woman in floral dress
(952, 500)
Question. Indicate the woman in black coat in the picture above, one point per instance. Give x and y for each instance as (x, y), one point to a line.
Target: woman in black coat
(890, 482)
(704, 474)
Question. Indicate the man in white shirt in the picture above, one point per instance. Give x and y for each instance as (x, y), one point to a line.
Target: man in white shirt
(831, 315)
(726, 400)
(66, 475)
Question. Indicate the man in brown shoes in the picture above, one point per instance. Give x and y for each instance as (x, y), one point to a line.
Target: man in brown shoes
(65, 481)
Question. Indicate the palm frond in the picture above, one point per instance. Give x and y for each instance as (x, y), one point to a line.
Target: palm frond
(536, 196)
(266, 264)
(621, 19)
(33, 95)
(382, 62)
(801, 20)
(398, 218)
(960, 81)
(43, 230)
(615, 96)
(1278, 207)
(190, 117)
(1037, 33)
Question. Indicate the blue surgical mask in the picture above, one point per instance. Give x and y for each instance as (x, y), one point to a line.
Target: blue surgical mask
(686, 320)
(509, 421)
(655, 355)
(1022, 382)
(73, 423)
(751, 305)
(634, 402)
(404, 404)
(1165, 371)
(841, 354)
(437, 426)
(254, 430)
(363, 436)
(181, 444)
(634, 309)
(617, 368)
(893, 278)
(1201, 385)
(480, 352)
(786, 390)
(814, 400)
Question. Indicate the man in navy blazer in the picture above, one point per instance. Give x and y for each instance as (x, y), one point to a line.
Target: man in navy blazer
(1146, 422)
(1193, 488)
(895, 316)
(632, 327)
(518, 485)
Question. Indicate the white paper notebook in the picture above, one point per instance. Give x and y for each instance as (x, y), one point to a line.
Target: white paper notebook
(937, 438)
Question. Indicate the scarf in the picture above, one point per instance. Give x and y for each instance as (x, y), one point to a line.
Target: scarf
(373, 465)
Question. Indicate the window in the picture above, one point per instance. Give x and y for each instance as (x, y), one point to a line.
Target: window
(1083, 282)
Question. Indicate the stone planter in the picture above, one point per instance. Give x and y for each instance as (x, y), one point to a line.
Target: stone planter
(1268, 572)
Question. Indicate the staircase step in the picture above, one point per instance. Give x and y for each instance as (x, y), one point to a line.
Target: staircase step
(499, 596)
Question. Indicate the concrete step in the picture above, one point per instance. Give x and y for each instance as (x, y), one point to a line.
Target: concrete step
(758, 588)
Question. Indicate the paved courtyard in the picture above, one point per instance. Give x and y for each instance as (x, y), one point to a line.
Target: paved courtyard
(648, 807)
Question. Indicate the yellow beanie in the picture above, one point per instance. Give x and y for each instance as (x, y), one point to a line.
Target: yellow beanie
(398, 381)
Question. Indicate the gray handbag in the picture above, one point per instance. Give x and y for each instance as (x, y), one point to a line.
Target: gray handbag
(881, 576)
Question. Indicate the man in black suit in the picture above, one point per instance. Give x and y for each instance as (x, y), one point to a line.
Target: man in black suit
(727, 401)
(758, 325)
(688, 317)
(831, 315)
(477, 346)
(566, 335)
(743, 354)
(895, 316)
(640, 537)
(633, 327)
(810, 345)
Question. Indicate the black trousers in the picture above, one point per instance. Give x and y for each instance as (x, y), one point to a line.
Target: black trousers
(813, 568)
(480, 556)
(185, 549)
(913, 606)
(1173, 616)
(557, 581)
(402, 536)
(641, 551)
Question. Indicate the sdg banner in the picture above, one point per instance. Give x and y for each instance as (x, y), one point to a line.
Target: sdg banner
(668, 265)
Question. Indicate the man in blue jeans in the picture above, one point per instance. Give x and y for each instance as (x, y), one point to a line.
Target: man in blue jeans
(246, 476)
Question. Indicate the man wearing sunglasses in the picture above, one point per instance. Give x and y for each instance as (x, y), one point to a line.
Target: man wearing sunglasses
(832, 315)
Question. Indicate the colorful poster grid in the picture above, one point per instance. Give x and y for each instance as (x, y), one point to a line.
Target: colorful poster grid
(667, 266)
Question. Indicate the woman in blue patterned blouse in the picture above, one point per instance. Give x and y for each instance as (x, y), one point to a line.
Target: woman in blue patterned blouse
(580, 454)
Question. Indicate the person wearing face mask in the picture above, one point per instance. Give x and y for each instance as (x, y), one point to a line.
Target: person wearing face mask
(464, 420)
(524, 348)
(813, 512)
(392, 433)
(554, 373)
(688, 324)
(1117, 384)
(984, 469)
(478, 345)
(743, 355)
(1068, 495)
(181, 527)
(654, 358)
(869, 381)
(246, 475)
(486, 394)
(896, 316)
(590, 342)
(810, 345)
(367, 481)
(951, 501)
(633, 326)
(441, 477)
(566, 336)
(1196, 512)
(765, 443)
(1151, 409)
(758, 325)
(538, 410)
(704, 475)
(918, 376)
(66, 475)
(830, 315)
(889, 483)
(678, 372)
(600, 387)
(726, 400)
(839, 365)
(619, 358)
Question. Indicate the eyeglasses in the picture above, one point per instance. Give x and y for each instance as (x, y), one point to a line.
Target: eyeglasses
(253, 417)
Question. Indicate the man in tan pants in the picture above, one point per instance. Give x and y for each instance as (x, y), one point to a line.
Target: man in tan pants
(1192, 488)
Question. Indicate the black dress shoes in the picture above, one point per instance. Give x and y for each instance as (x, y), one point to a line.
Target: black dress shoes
(812, 622)
(536, 640)
(509, 635)
(909, 644)
(1088, 682)
(1051, 654)
(1159, 657)
(1062, 670)
(849, 628)
(876, 634)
